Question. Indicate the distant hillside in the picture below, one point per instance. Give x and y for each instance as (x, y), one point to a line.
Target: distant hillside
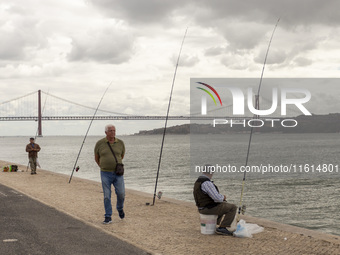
(329, 123)
(178, 130)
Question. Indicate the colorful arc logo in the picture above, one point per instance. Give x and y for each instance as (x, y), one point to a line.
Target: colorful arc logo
(213, 90)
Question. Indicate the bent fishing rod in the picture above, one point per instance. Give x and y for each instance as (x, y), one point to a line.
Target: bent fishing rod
(241, 208)
(167, 116)
(88, 129)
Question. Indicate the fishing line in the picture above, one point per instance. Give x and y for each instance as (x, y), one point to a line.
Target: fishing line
(241, 208)
(88, 129)
(167, 116)
(36, 133)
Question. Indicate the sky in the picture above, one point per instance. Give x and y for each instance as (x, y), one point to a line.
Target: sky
(75, 49)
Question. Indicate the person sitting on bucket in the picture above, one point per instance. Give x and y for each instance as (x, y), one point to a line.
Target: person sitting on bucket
(210, 202)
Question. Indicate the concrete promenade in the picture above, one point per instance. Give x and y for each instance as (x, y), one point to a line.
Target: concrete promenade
(30, 227)
(169, 227)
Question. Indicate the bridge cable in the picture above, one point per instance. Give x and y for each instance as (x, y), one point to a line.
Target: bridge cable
(88, 107)
(17, 98)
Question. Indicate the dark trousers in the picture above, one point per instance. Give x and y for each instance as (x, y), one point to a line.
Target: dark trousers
(225, 211)
(33, 164)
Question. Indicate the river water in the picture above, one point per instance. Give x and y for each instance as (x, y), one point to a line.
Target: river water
(305, 199)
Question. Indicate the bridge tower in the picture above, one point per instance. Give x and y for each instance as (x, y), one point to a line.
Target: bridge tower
(39, 114)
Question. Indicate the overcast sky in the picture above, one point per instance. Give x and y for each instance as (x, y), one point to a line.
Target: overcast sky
(74, 49)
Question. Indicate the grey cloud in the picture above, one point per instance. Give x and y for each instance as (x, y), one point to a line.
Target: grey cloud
(11, 47)
(235, 63)
(186, 60)
(241, 37)
(207, 13)
(275, 57)
(214, 51)
(218, 14)
(301, 61)
(106, 46)
(20, 37)
(17, 9)
(295, 54)
(302, 12)
(136, 11)
(244, 24)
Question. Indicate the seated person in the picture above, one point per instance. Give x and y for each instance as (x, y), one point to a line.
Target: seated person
(210, 202)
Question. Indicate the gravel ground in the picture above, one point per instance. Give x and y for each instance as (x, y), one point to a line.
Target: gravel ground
(169, 227)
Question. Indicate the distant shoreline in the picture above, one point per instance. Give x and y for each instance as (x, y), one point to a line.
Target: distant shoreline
(329, 123)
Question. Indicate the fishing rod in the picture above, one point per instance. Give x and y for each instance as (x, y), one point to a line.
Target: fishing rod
(88, 129)
(241, 207)
(36, 133)
(167, 116)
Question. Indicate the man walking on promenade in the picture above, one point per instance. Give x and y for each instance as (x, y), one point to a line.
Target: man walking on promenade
(107, 163)
(33, 149)
(210, 202)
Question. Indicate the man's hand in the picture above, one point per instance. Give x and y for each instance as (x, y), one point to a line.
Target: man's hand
(96, 158)
(225, 198)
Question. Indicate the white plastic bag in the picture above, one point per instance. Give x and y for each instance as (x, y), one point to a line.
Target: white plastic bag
(254, 228)
(37, 163)
(244, 229)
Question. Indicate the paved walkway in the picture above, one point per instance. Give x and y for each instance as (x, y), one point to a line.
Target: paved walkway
(169, 227)
(30, 227)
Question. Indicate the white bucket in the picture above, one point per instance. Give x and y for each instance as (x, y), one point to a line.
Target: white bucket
(208, 224)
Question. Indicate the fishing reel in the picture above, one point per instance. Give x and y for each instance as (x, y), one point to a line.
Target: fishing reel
(159, 195)
(242, 209)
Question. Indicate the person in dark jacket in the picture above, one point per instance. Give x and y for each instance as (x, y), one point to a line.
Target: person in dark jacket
(33, 148)
(210, 201)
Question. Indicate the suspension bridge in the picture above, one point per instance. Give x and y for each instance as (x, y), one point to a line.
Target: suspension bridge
(42, 106)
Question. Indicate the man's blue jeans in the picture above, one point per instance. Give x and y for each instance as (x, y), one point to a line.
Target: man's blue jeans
(117, 181)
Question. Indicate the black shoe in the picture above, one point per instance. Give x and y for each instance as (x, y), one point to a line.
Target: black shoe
(32, 173)
(107, 220)
(223, 231)
(121, 214)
